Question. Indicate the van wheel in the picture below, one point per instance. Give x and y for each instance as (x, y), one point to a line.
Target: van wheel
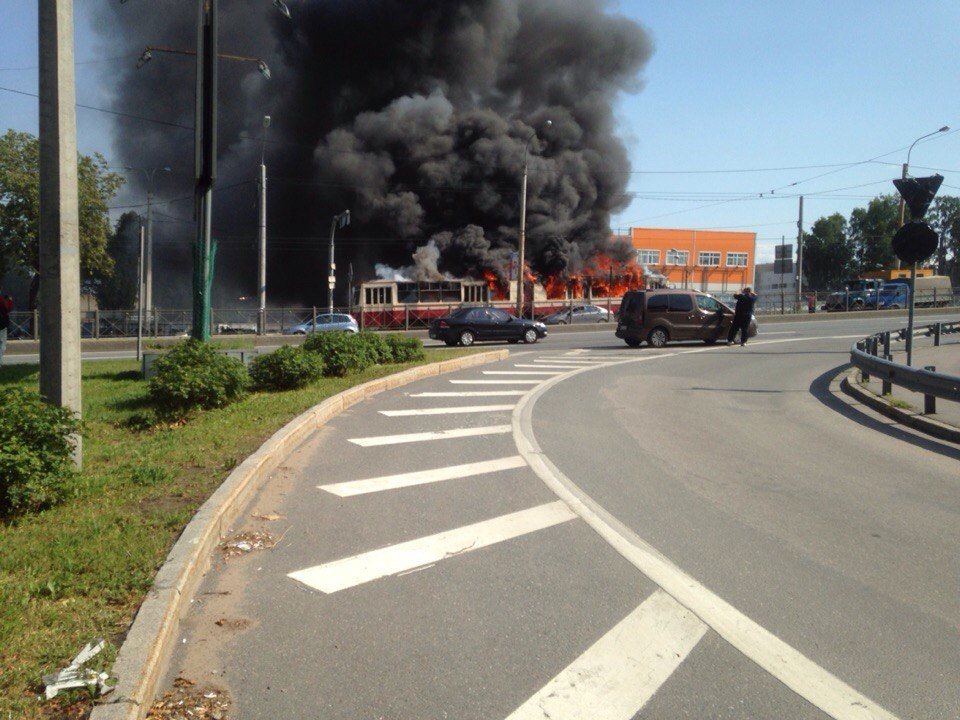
(632, 343)
(658, 337)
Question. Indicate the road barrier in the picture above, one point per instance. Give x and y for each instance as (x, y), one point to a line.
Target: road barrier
(866, 355)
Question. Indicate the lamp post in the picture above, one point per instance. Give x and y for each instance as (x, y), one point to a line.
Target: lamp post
(205, 148)
(262, 254)
(521, 250)
(341, 221)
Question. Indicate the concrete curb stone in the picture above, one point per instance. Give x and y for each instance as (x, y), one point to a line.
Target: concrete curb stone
(143, 657)
(918, 421)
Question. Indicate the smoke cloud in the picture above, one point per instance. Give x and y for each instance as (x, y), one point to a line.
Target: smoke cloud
(417, 115)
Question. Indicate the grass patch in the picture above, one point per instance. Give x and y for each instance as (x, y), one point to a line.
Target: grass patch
(894, 402)
(80, 570)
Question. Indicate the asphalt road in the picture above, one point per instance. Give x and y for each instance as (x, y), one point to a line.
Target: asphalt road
(690, 532)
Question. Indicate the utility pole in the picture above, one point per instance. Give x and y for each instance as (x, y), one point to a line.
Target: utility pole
(341, 220)
(140, 294)
(205, 151)
(59, 214)
(262, 255)
(523, 234)
(800, 255)
(783, 262)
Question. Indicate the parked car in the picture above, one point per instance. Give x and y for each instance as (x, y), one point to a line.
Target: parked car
(578, 314)
(471, 324)
(337, 322)
(659, 316)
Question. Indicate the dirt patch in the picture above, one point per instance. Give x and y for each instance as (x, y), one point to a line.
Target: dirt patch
(234, 624)
(248, 541)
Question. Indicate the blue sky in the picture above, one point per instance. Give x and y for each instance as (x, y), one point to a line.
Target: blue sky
(814, 87)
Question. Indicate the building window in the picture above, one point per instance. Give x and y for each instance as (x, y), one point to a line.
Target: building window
(736, 259)
(648, 257)
(678, 257)
(710, 259)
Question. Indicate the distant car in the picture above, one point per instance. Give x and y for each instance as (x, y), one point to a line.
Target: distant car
(579, 314)
(337, 322)
(471, 324)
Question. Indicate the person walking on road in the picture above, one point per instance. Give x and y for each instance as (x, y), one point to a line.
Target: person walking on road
(742, 314)
(6, 305)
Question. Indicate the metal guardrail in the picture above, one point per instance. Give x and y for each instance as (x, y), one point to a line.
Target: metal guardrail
(866, 356)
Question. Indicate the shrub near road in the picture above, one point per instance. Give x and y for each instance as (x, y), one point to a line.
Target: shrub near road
(79, 570)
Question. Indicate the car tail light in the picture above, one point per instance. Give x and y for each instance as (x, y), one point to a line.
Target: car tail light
(443, 325)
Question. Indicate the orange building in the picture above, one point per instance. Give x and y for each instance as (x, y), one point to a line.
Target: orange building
(707, 260)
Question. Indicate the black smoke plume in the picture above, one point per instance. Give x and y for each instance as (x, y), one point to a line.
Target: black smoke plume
(414, 114)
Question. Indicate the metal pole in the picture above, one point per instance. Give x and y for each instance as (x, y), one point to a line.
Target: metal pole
(332, 278)
(800, 254)
(140, 294)
(782, 283)
(149, 252)
(523, 233)
(262, 254)
(59, 214)
(913, 284)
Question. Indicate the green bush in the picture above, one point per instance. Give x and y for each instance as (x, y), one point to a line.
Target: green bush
(194, 375)
(286, 368)
(36, 464)
(342, 353)
(404, 349)
(379, 349)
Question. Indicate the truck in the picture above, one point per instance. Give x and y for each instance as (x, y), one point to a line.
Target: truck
(857, 294)
(931, 291)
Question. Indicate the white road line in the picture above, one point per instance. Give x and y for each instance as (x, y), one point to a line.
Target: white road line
(358, 569)
(571, 360)
(463, 409)
(496, 382)
(520, 372)
(620, 672)
(547, 367)
(807, 679)
(423, 477)
(471, 393)
(425, 436)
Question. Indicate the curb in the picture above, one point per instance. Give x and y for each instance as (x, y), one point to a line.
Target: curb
(145, 652)
(910, 418)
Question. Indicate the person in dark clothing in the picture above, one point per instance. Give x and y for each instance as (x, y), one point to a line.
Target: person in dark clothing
(741, 315)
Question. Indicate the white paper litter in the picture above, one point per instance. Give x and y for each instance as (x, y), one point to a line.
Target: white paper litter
(76, 676)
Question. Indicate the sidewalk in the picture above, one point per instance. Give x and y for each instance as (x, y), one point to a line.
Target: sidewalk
(946, 359)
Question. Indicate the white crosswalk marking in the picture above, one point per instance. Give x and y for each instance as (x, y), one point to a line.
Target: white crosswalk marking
(620, 672)
(351, 571)
(464, 409)
(425, 436)
(496, 382)
(520, 372)
(473, 393)
(422, 477)
(546, 367)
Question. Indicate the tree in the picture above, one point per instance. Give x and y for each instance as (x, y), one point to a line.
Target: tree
(20, 209)
(872, 229)
(944, 217)
(118, 291)
(828, 253)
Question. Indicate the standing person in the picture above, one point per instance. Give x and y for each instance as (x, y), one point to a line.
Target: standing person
(6, 305)
(741, 315)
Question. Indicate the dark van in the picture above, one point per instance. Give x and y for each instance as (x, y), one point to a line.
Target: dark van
(659, 316)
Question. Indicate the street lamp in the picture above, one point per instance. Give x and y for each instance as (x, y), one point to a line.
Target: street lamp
(339, 221)
(906, 165)
(262, 254)
(148, 260)
(205, 148)
(521, 261)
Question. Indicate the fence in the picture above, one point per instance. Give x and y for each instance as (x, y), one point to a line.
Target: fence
(770, 303)
(172, 322)
(866, 356)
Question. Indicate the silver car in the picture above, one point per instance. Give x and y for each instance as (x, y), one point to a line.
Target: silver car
(337, 322)
(578, 314)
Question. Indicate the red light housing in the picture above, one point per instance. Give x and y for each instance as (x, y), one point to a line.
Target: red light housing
(443, 325)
